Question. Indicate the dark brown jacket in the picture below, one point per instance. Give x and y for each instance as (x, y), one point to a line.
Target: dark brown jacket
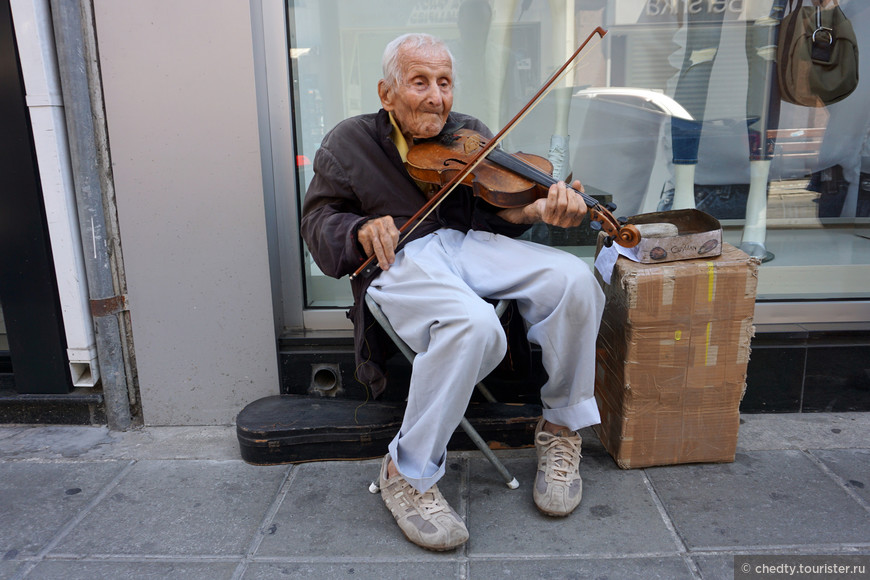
(359, 175)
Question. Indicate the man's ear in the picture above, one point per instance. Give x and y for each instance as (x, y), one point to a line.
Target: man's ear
(385, 94)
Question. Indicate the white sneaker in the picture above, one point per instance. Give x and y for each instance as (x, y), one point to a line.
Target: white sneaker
(558, 486)
(425, 518)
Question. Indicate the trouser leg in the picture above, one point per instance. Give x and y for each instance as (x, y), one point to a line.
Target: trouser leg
(561, 302)
(459, 340)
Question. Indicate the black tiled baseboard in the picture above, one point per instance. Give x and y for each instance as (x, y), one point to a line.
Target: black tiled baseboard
(791, 369)
(802, 369)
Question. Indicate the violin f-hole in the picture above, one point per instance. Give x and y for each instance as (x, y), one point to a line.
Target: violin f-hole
(454, 160)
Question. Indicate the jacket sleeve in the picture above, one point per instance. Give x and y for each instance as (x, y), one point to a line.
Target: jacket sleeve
(331, 215)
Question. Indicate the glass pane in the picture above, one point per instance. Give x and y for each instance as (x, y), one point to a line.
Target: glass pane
(676, 107)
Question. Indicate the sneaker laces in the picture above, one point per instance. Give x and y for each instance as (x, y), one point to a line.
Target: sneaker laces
(428, 502)
(563, 456)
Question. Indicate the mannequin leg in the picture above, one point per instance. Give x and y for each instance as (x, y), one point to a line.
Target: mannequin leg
(562, 14)
(703, 35)
(500, 33)
(755, 229)
(559, 154)
(684, 186)
(762, 103)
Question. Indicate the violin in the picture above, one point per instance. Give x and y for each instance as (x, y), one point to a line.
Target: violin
(503, 179)
(477, 152)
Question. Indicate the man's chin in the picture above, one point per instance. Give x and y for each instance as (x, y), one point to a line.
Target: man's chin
(429, 131)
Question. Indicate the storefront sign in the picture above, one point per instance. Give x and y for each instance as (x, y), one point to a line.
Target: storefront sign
(675, 7)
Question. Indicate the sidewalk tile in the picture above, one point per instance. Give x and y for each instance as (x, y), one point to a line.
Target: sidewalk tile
(617, 514)
(716, 566)
(664, 568)
(766, 431)
(7, 431)
(9, 568)
(71, 570)
(37, 499)
(852, 465)
(329, 512)
(378, 570)
(178, 508)
(763, 499)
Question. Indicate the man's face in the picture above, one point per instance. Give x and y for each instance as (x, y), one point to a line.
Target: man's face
(424, 96)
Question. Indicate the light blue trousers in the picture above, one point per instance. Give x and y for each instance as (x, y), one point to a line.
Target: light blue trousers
(431, 295)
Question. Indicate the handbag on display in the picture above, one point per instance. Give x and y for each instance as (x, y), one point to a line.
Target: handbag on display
(816, 55)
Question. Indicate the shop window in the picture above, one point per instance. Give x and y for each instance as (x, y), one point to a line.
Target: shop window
(675, 107)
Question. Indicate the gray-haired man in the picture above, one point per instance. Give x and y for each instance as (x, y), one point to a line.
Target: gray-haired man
(431, 286)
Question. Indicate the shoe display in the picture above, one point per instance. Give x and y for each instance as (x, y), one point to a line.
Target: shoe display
(425, 518)
(558, 486)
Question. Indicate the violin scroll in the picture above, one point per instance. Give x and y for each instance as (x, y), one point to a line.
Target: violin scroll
(628, 236)
(625, 235)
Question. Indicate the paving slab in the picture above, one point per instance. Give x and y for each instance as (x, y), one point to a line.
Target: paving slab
(9, 568)
(10, 431)
(374, 570)
(763, 499)
(38, 499)
(203, 442)
(77, 570)
(56, 442)
(328, 512)
(802, 431)
(852, 466)
(715, 566)
(178, 508)
(99, 443)
(664, 568)
(617, 515)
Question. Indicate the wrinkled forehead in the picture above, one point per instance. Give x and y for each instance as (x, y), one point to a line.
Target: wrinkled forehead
(434, 59)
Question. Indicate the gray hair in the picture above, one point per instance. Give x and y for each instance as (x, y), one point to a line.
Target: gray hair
(412, 40)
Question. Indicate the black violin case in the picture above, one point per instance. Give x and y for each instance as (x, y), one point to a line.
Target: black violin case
(298, 428)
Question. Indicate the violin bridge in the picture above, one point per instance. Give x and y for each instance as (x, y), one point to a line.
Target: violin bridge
(472, 143)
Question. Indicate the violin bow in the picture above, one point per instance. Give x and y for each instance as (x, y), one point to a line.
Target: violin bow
(367, 268)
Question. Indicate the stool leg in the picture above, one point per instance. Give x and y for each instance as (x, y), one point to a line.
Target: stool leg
(485, 392)
(472, 433)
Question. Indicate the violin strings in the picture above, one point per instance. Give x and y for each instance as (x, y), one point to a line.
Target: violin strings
(525, 169)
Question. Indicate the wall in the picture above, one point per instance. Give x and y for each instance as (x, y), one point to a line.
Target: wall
(178, 79)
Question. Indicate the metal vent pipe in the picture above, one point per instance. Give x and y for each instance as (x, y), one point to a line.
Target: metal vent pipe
(88, 144)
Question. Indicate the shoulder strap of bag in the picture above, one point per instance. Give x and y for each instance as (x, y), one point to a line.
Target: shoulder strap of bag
(792, 6)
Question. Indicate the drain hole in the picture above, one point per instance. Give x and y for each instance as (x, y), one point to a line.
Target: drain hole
(325, 380)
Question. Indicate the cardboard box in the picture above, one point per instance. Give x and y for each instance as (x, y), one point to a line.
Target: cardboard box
(671, 358)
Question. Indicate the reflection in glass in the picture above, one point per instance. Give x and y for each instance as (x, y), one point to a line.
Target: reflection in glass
(792, 180)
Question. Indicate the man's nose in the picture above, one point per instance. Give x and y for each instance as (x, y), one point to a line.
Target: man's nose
(433, 94)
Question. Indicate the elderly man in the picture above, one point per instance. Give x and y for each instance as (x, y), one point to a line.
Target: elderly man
(431, 285)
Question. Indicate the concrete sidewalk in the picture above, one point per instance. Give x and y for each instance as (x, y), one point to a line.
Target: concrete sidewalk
(83, 502)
